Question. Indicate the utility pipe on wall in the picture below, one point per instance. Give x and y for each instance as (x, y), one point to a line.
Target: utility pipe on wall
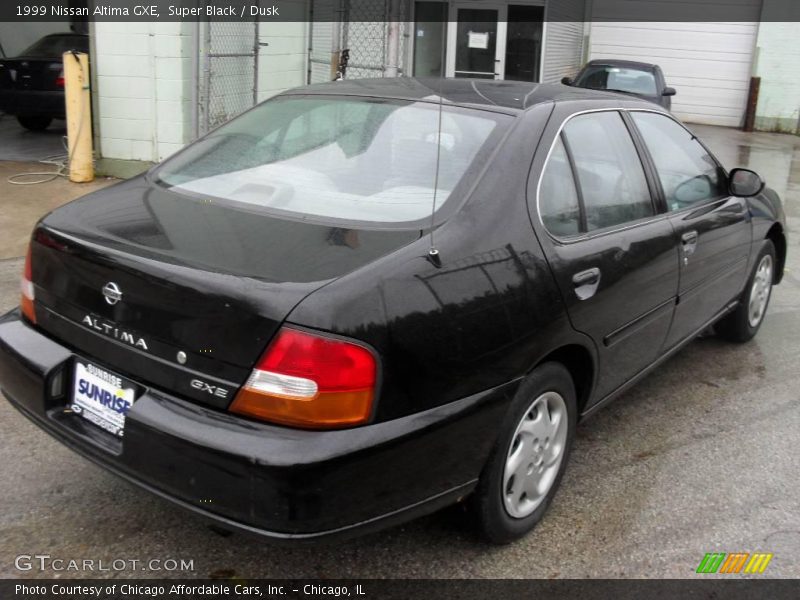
(77, 94)
(393, 41)
(336, 41)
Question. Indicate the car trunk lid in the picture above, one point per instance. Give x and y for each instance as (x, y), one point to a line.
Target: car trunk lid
(30, 73)
(136, 274)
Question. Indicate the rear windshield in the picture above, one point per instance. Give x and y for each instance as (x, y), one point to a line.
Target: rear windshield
(53, 46)
(621, 79)
(356, 159)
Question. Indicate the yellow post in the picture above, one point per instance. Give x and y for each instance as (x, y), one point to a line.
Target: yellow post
(79, 116)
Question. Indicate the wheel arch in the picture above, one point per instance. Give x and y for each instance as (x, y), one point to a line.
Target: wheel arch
(581, 364)
(778, 239)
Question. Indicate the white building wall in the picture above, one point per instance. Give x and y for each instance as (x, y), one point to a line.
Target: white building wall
(144, 88)
(283, 62)
(777, 59)
(709, 63)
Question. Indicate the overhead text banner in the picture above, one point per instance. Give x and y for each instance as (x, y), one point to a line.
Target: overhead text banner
(379, 10)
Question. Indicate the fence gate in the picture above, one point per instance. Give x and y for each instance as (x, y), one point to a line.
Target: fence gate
(229, 71)
(361, 26)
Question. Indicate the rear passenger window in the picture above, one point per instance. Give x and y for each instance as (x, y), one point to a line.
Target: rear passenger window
(610, 174)
(558, 198)
(689, 174)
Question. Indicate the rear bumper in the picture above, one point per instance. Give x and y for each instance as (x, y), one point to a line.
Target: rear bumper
(282, 483)
(33, 103)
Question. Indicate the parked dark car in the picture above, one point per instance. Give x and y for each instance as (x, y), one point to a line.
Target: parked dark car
(307, 329)
(32, 84)
(626, 76)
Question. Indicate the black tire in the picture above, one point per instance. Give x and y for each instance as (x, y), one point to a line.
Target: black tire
(493, 520)
(35, 123)
(736, 326)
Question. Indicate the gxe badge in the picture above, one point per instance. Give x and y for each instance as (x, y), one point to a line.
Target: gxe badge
(112, 293)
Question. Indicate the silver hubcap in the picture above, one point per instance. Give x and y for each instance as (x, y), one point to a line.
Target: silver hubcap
(759, 293)
(535, 455)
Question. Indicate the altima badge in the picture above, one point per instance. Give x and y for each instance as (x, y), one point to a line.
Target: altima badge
(112, 293)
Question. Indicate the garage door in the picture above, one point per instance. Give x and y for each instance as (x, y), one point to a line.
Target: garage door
(709, 63)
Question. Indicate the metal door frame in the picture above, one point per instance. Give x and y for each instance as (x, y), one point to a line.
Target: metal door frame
(500, 43)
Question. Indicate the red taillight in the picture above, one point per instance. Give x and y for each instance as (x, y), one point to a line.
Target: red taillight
(60, 79)
(309, 380)
(26, 287)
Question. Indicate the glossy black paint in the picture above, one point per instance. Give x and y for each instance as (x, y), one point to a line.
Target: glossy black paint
(665, 93)
(454, 338)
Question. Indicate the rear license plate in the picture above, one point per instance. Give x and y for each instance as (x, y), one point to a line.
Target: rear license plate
(101, 396)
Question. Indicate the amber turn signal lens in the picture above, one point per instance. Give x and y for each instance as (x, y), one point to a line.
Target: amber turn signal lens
(311, 381)
(324, 411)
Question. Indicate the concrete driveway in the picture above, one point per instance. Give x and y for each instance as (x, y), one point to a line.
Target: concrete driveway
(17, 143)
(700, 457)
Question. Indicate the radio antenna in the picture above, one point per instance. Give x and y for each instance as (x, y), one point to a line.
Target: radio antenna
(433, 252)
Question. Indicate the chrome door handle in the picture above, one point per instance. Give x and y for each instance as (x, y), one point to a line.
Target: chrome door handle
(689, 241)
(586, 283)
(588, 277)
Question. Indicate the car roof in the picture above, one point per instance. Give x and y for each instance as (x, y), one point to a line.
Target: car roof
(504, 96)
(613, 62)
(65, 34)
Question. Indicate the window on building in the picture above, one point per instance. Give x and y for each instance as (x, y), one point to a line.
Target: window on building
(430, 38)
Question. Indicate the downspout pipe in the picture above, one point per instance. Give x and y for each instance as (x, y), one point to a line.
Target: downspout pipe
(392, 68)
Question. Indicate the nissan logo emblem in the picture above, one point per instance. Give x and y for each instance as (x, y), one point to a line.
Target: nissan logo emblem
(112, 293)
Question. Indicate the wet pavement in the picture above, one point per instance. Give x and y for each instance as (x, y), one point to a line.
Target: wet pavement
(17, 143)
(702, 456)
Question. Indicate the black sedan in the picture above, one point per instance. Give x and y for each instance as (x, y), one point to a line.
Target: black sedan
(640, 79)
(32, 84)
(362, 301)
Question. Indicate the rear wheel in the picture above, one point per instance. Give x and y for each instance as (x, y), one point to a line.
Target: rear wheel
(744, 322)
(526, 466)
(35, 123)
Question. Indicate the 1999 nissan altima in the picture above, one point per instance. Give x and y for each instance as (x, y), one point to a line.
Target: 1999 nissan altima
(355, 304)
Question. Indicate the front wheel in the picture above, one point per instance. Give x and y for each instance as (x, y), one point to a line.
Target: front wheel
(745, 320)
(528, 461)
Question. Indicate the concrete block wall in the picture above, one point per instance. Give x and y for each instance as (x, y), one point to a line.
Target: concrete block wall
(144, 80)
(283, 61)
(777, 57)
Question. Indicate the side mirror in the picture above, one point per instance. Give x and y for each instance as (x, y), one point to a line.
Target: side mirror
(669, 91)
(745, 183)
(567, 81)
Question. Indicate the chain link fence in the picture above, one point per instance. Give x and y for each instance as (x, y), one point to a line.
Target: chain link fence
(229, 53)
(229, 71)
(362, 27)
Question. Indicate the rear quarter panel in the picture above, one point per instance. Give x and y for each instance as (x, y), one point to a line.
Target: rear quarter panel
(482, 319)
